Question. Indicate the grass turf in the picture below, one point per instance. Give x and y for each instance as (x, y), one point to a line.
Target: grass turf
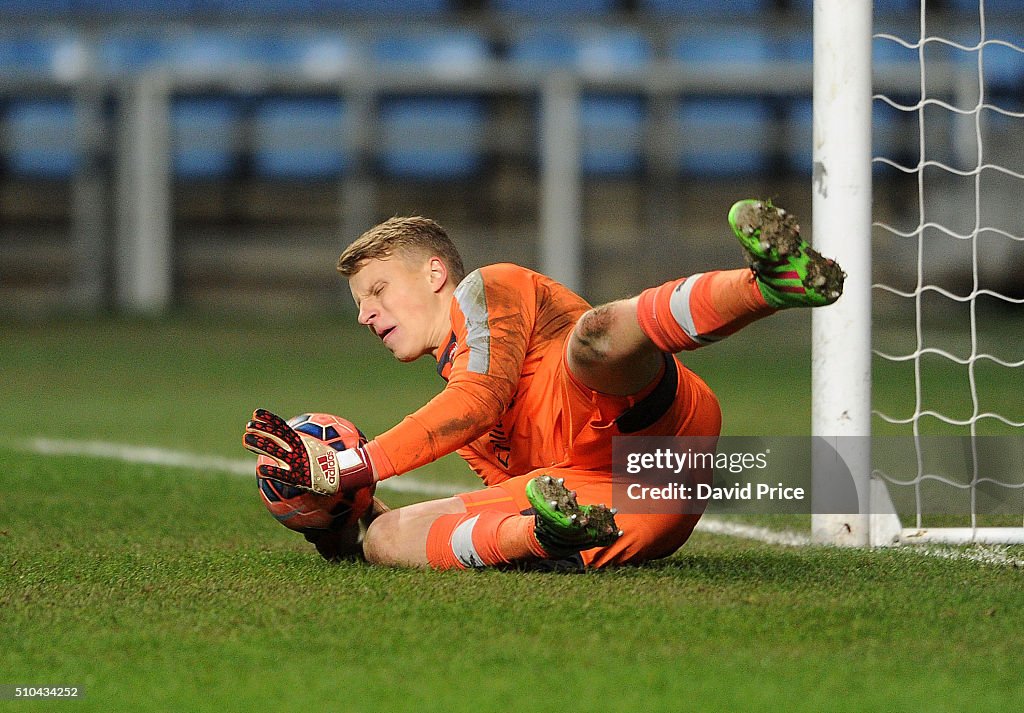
(159, 589)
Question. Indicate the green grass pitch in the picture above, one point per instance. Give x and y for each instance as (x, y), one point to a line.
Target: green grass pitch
(160, 588)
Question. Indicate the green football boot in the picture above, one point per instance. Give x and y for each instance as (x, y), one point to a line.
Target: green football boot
(789, 272)
(563, 527)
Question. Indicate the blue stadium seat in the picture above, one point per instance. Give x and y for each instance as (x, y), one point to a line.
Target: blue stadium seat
(703, 8)
(1003, 67)
(1007, 7)
(889, 56)
(121, 8)
(893, 135)
(432, 137)
(194, 52)
(34, 8)
(41, 136)
(612, 124)
(612, 135)
(402, 8)
(322, 54)
(450, 52)
(548, 8)
(300, 138)
(723, 136)
(205, 130)
(794, 47)
(595, 51)
(43, 55)
(125, 53)
(204, 137)
(201, 52)
(252, 8)
(881, 7)
(726, 46)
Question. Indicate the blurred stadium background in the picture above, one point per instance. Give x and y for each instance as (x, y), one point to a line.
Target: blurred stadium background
(217, 155)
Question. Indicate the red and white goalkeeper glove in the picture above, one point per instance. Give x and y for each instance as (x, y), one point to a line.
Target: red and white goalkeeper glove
(306, 462)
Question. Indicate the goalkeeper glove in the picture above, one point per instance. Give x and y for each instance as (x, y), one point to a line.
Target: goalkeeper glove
(306, 462)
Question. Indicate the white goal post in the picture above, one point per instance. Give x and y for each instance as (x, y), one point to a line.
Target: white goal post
(843, 226)
(841, 184)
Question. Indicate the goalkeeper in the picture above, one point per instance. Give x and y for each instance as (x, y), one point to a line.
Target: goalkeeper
(538, 384)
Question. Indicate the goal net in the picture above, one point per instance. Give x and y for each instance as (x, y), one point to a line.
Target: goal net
(945, 308)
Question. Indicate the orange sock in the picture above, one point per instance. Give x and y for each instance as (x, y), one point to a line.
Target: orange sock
(482, 539)
(695, 311)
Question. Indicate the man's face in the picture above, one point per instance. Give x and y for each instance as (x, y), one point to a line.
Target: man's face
(397, 300)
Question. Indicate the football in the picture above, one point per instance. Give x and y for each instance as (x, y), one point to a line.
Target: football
(302, 510)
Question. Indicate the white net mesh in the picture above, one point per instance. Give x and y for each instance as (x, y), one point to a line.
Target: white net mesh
(948, 250)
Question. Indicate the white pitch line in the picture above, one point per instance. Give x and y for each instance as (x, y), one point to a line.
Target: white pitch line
(985, 554)
(194, 461)
(715, 526)
(405, 484)
(982, 554)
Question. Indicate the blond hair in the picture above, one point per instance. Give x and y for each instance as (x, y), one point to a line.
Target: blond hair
(410, 236)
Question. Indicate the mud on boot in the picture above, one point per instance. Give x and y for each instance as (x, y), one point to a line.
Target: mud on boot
(789, 272)
(563, 526)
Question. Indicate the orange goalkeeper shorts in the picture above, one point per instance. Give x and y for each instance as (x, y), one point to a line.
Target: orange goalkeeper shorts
(680, 404)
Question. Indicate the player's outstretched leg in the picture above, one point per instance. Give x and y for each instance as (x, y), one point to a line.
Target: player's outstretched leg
(790, 273)
(562, 526)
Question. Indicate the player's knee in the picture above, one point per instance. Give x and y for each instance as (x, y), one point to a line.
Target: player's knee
(380, 538)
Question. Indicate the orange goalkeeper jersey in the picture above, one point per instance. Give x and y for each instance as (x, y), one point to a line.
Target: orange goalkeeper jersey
(509, 326)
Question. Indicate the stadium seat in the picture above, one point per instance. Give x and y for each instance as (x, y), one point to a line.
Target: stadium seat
(123, 53)
(122, 8)
(41, 139)
(300, 138)
(40, 9)
(547, 8)
(881, 7)
(1007, 7)
(46, 55)
(888, 56)
(376, 8)
(205, 130)
(41, 129)
(256, 9)
(204, 137)
(303, 137)
(726, 46)
(612, 124)
(319, 8)
(1003, 68)
(432, 137)
(893, 135)
(724, 136)
(320, 54)
(702, 8)
(203, 52)
(189, 53)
